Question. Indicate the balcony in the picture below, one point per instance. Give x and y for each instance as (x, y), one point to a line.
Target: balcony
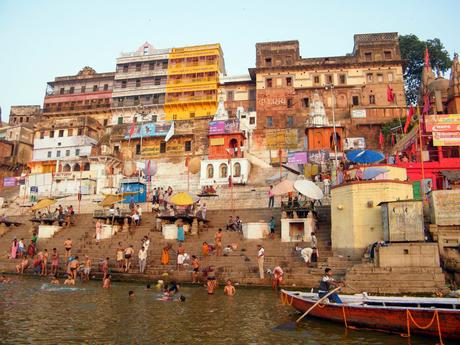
(193, 67)
(140, 90)
(190, 99)
(172, 81)
(120, 75)
(77, 109)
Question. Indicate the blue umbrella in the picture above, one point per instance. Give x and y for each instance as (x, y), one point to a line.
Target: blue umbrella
(364, 156)
(373, 172)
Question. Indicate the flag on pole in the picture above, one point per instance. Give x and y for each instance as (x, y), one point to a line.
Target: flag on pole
(427, 58)
(133, 127)
(170, 133)
(390, 94)
(408, 118)
(381, 139)
(426, 104)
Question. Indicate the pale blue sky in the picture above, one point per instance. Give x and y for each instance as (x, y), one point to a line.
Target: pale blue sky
(42, 39)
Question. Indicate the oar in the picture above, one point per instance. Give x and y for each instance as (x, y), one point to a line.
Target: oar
(318, 302)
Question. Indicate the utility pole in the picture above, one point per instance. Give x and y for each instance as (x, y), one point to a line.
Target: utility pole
(331, 87)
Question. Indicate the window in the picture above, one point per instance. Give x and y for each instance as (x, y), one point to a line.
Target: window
(21, 119)
(371, 99)
(252, 120)
(123, 84)
(69, 132)
(83, 89)
(86, 167)
(61, 133)
(76, 167)
(316, 79)
(138, 149)
(95, 88)
(125, 68)
(237, 170)
(342, 79)
(42, 135)
(49, 154)
(223, 170)
(290, 121)
(77, 153)
(252, 95)
(138, 82)
(157, 81)
(138, 67)
(105, 122)
(368, 56)
(210, 171)
(151, 66)
(51, 134)
(72, 89)
(120, 120)
(289, 81)
(67, 153)
(192, 115)
(80, 131)
(154, 118)
(58, 153)
(289, 103)
(390, 76)
(61, 91)
(387, 54)
(355, 100)
(329, 79)
(136, 100)
(146, 50)
(369, 77)
(268, 61)
(305, 102)
(380, 78)
(269, 121)
(188, 146)
(163, 147)
(230, 96)
(269, 82)
(106, 87)
(120, 101)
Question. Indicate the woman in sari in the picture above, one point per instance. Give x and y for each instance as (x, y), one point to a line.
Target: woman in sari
(14, 248)
(165, 254)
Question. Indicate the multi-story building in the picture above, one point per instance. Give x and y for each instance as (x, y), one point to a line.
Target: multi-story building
(364, 89)
(237, 91)
(86, 94)
(140, 80)
(193, 81)
(26, 115)
(64, 144)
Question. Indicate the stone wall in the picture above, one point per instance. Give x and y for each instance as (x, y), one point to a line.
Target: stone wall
(408, 255)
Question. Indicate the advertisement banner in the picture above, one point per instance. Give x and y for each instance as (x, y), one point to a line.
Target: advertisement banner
(281, 139)
(442, 123)
(318, 156)
(297, 157)
(10, 182)
(147, 130)
(446, 138)
(224, 127)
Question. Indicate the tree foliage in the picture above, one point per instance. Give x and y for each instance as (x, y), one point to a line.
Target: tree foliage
(413, 56)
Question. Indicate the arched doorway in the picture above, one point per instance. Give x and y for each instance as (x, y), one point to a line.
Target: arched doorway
(233, 146)
(237, 170)
(210, 171)
(223, 170)
(86, 167)
(66, 168)
(76, 167)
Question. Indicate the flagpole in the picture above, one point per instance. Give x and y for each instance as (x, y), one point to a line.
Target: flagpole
(421, 149)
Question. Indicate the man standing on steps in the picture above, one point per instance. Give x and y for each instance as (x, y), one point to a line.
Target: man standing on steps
(68, 247)
(271, 198)
(260, 260)
(142, 259)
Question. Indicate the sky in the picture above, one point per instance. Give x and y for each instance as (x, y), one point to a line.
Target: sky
(42, 39)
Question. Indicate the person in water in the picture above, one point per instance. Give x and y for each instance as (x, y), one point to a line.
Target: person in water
(70, 280)
(106, 282)
(54, 280)
(229, 289)
(22, 265)
(211, 284)
(196, 269)
(54, 261)
(172, 289)
(130, 293)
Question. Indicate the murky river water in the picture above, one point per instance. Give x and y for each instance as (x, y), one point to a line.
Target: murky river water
(33, 312)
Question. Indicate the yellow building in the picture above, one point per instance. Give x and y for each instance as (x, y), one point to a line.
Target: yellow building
(356, 218)
(193, 79)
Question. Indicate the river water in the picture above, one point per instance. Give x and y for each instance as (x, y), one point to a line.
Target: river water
(34, 312)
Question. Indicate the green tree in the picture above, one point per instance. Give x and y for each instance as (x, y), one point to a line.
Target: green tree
(413, 56)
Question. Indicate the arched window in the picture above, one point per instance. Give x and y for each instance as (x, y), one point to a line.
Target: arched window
(223, 169)
(86, 167)
(67, 168)
(76, 167)
(237, 170)
(210, 171)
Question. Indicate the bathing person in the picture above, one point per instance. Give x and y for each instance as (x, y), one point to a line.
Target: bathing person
(106, 282)
(196, 269)
(70, 280)
(229, 289)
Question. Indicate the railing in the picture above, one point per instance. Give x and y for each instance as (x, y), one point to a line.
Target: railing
(89, 90)
(76, 108)
(191, 80)
(192, 64)
(189, 99)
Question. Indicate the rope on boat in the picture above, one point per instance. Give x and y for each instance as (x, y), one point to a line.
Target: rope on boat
(410, 319)
(285, 299)
(344, 317)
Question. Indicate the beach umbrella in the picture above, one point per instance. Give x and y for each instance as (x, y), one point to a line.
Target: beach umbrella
(43, 203)
(182, 199)
(283, 188)
(276, 177)
(373, 172)
(309, 189)
(365, 156)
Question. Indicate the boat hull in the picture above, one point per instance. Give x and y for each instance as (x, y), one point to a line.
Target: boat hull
(392, 319)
